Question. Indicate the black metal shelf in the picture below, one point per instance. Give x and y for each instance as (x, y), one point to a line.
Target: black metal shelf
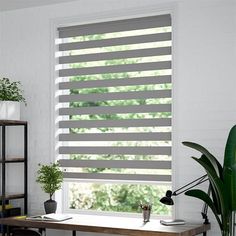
(12, 122)
(5, 160)
(13, 160)
(12, 196)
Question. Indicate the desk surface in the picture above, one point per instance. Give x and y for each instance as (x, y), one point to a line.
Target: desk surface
(111, 225)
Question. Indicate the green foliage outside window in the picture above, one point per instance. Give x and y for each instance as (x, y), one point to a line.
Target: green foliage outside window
(115, 197)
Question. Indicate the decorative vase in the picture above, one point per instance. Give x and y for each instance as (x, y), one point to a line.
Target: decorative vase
(9, 110)
(146, 215)
(50, 206)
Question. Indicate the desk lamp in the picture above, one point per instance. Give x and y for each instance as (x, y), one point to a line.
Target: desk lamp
(167, 200)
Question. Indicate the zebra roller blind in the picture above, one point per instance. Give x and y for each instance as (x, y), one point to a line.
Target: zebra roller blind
(115, 100)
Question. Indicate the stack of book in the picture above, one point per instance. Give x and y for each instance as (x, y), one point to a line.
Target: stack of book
(9, 211)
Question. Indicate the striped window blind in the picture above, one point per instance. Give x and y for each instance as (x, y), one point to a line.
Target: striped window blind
(115, 100)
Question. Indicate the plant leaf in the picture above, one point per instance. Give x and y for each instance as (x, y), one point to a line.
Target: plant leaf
(197, 193)
(215, 198)
(215, 163)
(220, 191)
(204, 163)
(229, 170)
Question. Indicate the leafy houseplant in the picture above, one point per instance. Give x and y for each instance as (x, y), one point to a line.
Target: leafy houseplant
(50, 177)
(11, 91)
(222, 182)
(11, 95)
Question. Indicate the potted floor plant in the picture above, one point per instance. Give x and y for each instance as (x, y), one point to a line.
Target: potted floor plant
(11, 95)
(50, 177)
(222, 183)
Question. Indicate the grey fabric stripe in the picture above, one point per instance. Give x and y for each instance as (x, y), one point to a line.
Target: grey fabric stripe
(134, 177)
(116, 150)
(116, 41)
(115, 96)
(115, 82)
(115, 55)
(115, 109)
(116, 68)
(115, 26)
(115, 123)
(152, 136)
(132, 164)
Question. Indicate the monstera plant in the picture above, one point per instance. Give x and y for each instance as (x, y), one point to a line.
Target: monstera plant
(222, 182)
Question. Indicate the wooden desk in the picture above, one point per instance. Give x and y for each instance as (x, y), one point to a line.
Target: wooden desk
(111, 225)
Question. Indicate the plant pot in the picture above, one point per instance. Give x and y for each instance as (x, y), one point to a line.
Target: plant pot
(146, 215)
(9, 110)
(50, 206)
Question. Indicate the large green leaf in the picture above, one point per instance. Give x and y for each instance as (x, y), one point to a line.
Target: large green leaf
(197, 193)
(208, 162)
(215, 163)
(215, 197)
(220, 191)
(229, 170)
(217, 184)
(228, 175)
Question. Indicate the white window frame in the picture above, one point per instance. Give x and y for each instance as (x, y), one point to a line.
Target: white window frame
(158, 9)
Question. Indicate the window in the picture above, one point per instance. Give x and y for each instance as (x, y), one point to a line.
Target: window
(115, 113)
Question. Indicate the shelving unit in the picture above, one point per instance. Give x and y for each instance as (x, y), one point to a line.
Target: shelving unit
(5, 161)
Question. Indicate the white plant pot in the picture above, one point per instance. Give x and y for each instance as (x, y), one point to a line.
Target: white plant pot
(9, 110)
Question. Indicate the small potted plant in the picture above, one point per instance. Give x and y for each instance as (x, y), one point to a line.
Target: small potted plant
(11, 95)
(50, 177)
(146, 209)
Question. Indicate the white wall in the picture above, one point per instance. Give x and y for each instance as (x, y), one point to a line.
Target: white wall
(206, 105)
(204, 77)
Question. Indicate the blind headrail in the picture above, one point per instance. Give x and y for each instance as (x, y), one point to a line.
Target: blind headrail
(115, 26)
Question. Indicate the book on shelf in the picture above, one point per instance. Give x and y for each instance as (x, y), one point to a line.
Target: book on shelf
(13, 211)
(7, 206)
(6, 201)
(50, 217)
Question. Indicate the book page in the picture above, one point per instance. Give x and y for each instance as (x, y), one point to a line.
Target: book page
(50, 217)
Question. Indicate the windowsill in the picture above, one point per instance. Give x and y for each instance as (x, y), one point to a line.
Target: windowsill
(114, 214)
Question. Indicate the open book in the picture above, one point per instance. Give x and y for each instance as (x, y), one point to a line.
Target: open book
(50, 217)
